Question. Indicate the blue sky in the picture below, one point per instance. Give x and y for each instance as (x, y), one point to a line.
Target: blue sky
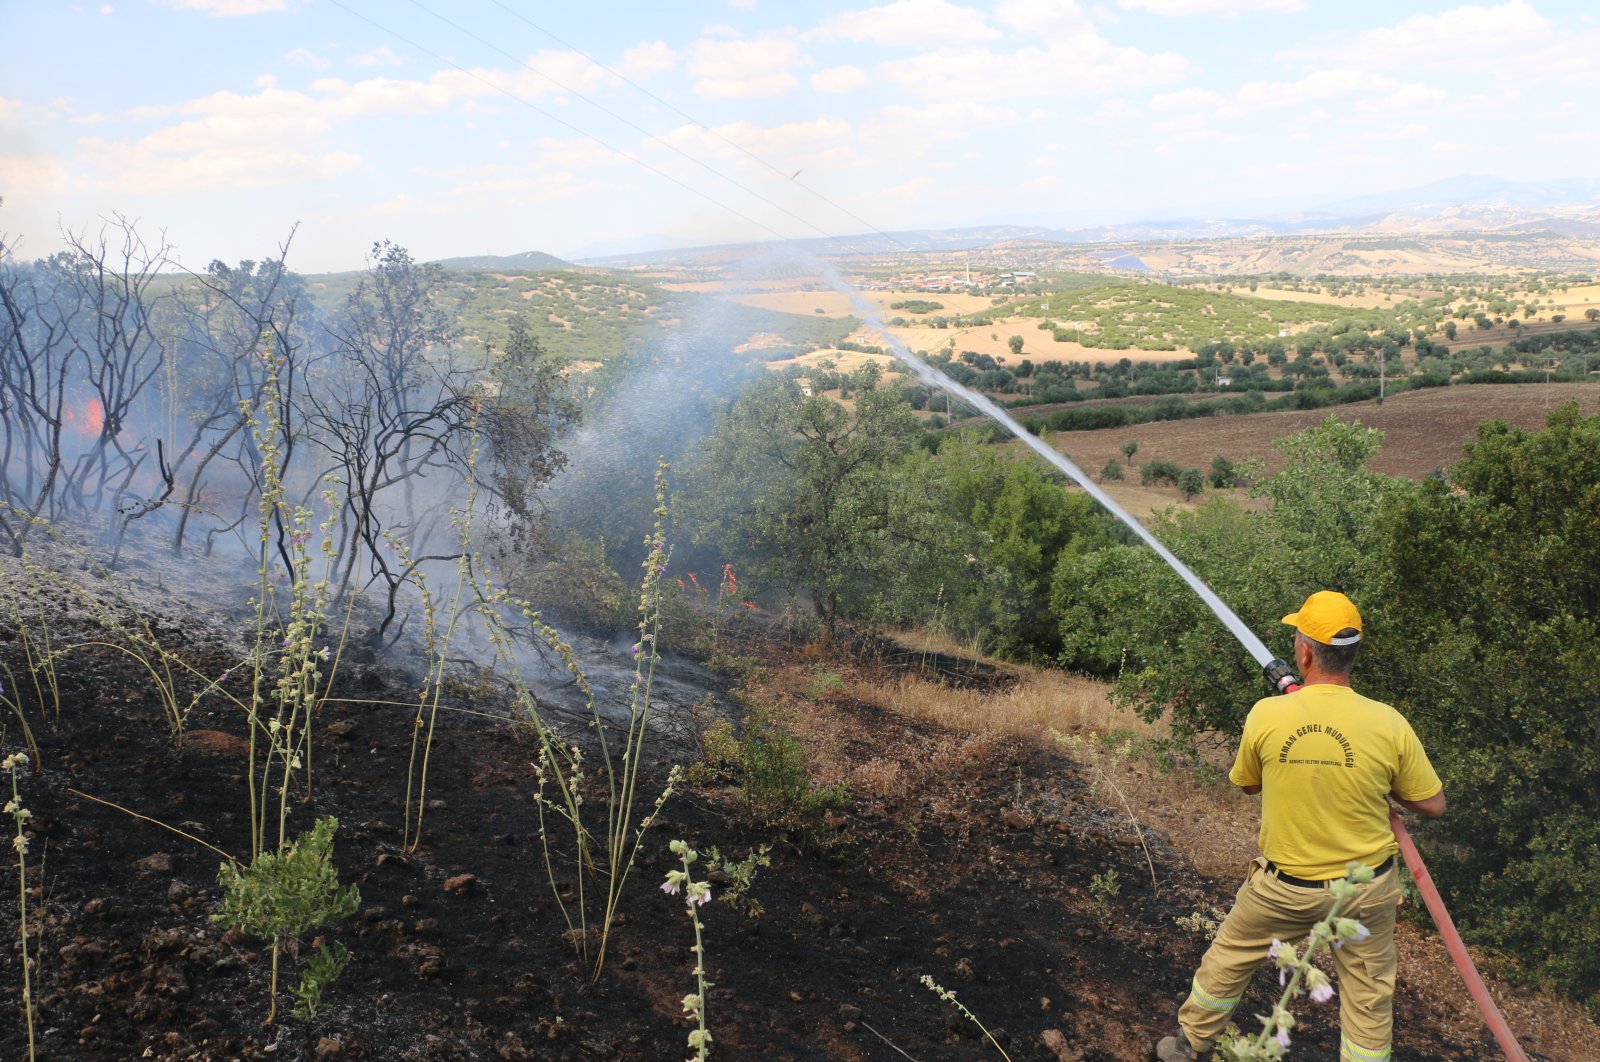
(543, 126)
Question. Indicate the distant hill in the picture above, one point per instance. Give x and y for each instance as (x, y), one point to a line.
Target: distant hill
(1567, 208)
(527, 261)
(1454, 193)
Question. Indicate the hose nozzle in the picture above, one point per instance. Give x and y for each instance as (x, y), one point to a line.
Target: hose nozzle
(1281, 674)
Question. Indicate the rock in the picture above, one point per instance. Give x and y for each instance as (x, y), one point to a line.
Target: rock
(461, 884)
(1057, 1045)
(330, 1047)
(1016, 819)
(160, 863)
(849, 1013)
(179, 891)
(215, 743)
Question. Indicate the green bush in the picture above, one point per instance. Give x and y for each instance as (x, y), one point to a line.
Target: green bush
(1112, 472)
(1152, 473)
(776, 777)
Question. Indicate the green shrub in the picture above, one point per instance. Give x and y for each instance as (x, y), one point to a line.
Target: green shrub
(1152, 473)
(1112, 472)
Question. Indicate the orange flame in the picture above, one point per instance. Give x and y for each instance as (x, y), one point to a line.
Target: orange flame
(88, 421)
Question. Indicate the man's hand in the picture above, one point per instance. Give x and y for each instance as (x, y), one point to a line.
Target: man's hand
(1433, 807)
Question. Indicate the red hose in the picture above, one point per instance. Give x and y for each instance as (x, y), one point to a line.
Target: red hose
(1452, 942)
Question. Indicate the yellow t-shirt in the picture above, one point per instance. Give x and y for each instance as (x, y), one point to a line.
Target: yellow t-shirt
(1325, 758)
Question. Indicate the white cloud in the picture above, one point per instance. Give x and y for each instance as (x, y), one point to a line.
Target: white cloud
(1114, 112)
(1511, 43)
(911, 24)
(1189, 99)
(306, 57)
(746, 5)
(9, 108)
(232, 7)
(1344, 87)
(1051, 18)
(839, 79)
(1468, 31)
(1227, 8)
(1083, 62)
(915, 131)
(743, 69)
(820, 138)
(382, 55)
(648, 59)
(25, 176)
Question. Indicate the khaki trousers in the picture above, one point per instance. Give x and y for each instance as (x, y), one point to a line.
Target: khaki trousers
(1267, 909)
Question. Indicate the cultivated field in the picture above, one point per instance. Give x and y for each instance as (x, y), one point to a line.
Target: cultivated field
(1423, 430)
(834, 304)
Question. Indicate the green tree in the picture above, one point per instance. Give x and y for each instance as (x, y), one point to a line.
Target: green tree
(1016, 520)
(1489, 627)
(801, 488)
(1112, 472)
(1191, 481)
(1223, 472)
(1130, 448)
(1123, 612)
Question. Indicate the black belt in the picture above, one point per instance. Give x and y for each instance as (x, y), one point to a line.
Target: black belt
(1306, 883)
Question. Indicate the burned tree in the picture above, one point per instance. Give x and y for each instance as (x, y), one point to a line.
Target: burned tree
(226, 322)
(80, 349)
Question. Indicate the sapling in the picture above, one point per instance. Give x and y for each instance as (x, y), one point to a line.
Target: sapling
(281, 896)
(741, 875)
(696, 894)
(20, 815)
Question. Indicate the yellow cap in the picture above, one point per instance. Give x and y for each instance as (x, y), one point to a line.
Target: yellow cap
(1324, 615)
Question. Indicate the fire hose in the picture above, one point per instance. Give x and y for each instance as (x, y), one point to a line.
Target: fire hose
(1279, 673)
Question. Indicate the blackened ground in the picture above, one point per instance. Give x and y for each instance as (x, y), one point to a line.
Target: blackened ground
(974, 867)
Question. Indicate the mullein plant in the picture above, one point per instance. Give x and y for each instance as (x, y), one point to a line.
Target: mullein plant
(20, 815)
(559, 766)
(290, 885)
(696, 894)
(1298, 976)
(950, 997)
(139, 642)
(33, 634)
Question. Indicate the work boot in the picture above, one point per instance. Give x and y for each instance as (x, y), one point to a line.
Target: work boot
(1176, 1048)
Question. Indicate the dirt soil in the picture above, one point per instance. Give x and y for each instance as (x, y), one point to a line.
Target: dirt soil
(975, 867)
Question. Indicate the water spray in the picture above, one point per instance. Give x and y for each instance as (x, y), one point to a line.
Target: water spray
(1279, 673)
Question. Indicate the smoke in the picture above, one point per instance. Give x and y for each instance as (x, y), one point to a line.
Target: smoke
(933, 378)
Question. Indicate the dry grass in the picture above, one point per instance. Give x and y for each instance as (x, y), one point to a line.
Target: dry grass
(1212, 823)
